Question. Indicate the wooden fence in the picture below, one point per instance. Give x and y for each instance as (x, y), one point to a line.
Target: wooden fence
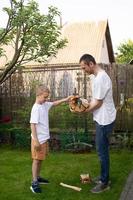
(63, 81)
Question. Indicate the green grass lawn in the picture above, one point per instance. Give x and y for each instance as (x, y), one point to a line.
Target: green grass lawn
(15, 175)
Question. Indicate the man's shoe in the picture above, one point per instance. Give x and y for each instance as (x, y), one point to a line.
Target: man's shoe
(97, 180)
(42, 180)
(35, 188)
(100, 187)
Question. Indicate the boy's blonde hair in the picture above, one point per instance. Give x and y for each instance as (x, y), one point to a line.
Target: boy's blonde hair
(40, 89)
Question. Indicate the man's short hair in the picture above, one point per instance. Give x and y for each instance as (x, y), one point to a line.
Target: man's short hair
(40, 89)
(87, 58)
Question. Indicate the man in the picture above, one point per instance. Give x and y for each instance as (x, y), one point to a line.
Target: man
(104, 114)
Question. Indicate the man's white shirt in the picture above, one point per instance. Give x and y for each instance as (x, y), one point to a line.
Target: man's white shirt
(102, 90)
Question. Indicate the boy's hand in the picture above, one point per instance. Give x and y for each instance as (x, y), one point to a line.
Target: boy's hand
(69, 98)
(37, 145)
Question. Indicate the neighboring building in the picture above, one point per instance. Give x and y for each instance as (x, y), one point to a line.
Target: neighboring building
(85, 37)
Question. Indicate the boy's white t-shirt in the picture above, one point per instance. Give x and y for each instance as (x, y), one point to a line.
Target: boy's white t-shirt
(102, 90)
(39, 116)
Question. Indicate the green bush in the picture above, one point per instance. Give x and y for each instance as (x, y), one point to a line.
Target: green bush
(61, 118)
(5, 136)
(16, 136)
(74, 140)
(21, 137)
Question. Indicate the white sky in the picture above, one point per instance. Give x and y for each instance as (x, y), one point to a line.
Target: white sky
(118, 12)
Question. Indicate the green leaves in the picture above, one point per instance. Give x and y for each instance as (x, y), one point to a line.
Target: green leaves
(125, 52)
(35, 36)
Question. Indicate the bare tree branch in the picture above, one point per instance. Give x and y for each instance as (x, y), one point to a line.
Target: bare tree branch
(17, 39)
(9, 74)
(8, 26)
(12, 64)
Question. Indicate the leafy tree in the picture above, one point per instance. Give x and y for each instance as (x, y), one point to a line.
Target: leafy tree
(32, 35)
(125, 52)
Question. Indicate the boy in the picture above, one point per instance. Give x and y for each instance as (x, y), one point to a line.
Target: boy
(40, 134)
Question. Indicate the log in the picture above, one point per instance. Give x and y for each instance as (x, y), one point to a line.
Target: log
(71, 187)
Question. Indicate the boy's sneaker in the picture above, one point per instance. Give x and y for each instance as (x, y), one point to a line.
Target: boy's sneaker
(35, 188)
(42, 180)
(100, 187)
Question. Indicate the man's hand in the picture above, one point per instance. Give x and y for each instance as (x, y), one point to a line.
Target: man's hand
(77, 104)
(94, 105)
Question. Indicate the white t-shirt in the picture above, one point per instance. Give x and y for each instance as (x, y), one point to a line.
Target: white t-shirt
(39, 116)
(102, 90)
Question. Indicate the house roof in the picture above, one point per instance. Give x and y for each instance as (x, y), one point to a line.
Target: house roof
(84, 37)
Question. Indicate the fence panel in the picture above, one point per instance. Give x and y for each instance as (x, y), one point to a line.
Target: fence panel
(62, 81)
